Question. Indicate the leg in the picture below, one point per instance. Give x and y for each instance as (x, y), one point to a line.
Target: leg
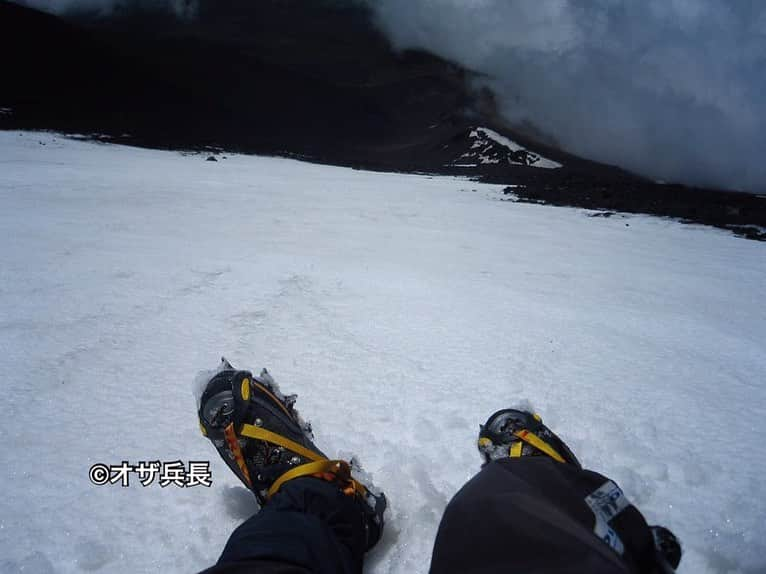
(309, 526)
(533, 509)
(316, 516)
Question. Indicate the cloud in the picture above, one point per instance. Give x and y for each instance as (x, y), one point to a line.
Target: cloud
(672, 89)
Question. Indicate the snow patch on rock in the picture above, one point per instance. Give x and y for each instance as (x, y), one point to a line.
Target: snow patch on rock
(490, 147)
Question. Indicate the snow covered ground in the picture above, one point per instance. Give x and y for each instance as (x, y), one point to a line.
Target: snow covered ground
(402, 309)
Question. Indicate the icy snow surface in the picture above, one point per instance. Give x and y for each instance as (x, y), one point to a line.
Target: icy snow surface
(402, 309)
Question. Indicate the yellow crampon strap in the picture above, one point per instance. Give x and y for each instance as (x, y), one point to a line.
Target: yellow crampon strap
(319, 465)
(515, 451)
(534, 440)
(258, 433)
(233, 442)
(339, 469)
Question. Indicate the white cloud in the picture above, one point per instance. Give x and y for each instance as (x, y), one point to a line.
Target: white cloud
(673, 89)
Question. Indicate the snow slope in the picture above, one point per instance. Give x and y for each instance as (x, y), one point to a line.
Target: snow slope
(402, 309)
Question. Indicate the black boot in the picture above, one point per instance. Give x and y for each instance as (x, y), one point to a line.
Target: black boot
(515, 433)
(261, 437)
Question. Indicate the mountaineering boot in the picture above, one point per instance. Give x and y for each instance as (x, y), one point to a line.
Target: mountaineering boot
(261, 437)
(515, 433)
